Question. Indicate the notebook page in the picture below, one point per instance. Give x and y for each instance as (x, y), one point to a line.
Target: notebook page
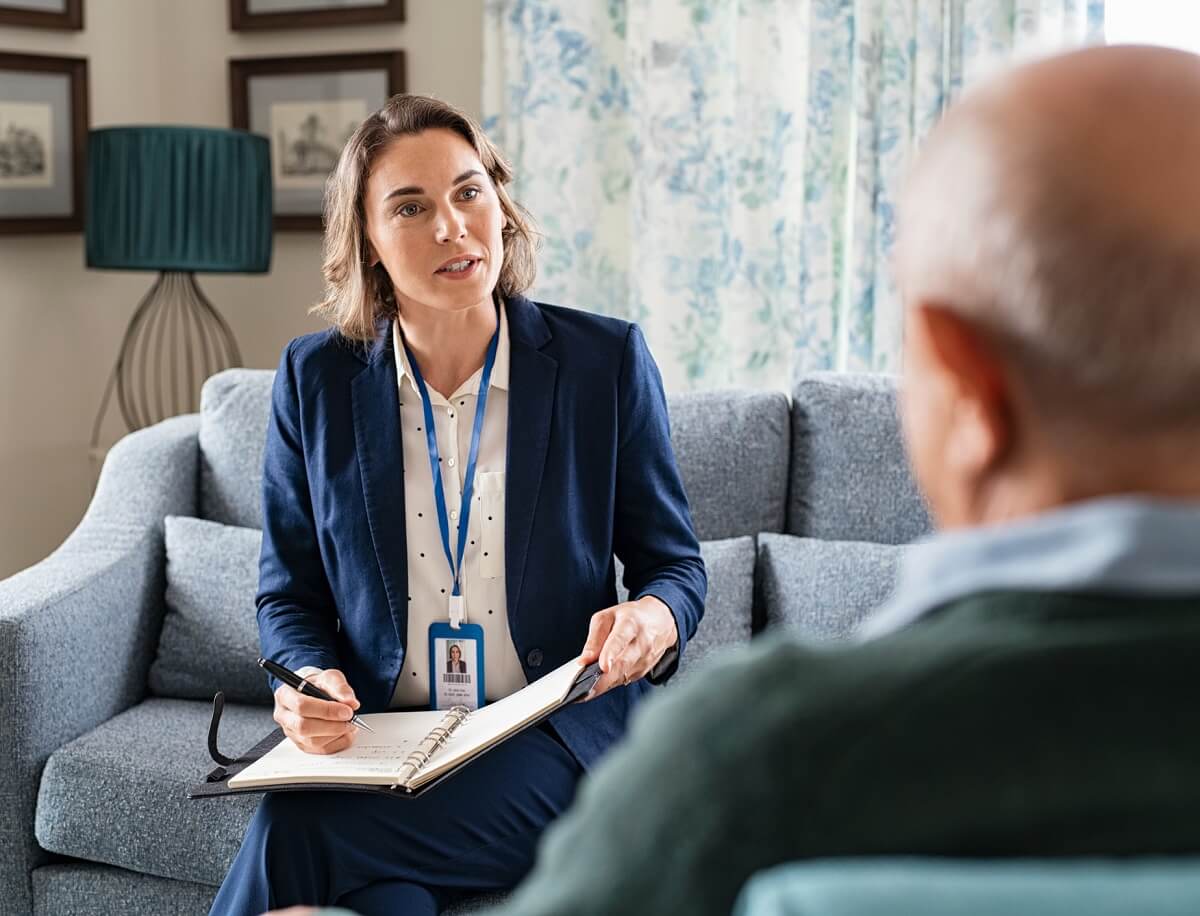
(372, 759)
(498, 720)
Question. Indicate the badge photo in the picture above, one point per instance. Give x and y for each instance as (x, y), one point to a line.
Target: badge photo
(456, 666)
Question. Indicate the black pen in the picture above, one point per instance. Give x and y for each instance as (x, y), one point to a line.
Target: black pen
(292, 679)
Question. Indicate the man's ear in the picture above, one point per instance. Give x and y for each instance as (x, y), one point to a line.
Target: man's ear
(980, 432)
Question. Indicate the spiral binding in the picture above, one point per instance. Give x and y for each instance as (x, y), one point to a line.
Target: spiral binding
(438, 736)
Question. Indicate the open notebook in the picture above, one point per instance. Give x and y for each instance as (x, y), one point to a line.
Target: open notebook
(407, 751)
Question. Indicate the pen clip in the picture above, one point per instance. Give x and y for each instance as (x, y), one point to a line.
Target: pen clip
(218, 708)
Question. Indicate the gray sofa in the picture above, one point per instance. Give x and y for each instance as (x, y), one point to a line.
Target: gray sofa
(106, 682)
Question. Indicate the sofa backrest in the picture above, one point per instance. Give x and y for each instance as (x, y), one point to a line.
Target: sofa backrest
(732, 448)
(775, 489)
(850, 479)
(234, 408)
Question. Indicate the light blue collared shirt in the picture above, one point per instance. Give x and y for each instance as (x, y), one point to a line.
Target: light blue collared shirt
(1120, 544)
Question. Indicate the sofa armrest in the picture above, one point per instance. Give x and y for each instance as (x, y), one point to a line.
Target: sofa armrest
(78, 630)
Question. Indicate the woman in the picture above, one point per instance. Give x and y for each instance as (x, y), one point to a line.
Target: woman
(548, 428)
(455, 663)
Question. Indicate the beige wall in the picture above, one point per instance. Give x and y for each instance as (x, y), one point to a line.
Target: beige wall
(160, 61)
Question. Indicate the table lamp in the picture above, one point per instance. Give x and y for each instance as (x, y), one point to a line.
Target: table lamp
(180, 201)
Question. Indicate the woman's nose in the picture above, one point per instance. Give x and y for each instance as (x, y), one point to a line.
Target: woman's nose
(451, 226)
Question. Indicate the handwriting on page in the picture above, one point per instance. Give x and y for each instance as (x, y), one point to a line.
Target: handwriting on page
(286, 763)
(381, 752)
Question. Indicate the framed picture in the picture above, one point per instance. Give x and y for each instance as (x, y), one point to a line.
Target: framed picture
(43, 132)
(304, 14)
(308, 107)
(43, 14)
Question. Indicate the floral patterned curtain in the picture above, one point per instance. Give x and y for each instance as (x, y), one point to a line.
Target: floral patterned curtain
(724, 171)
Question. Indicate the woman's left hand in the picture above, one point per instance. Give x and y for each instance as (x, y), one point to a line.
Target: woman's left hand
(628, 640)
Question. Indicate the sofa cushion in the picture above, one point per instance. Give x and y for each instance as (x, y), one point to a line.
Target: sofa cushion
(728, 607)
(850, 478)
(733, 453)
(234, 408)
(81, 889)
(117, 794)
(822, 589)
(209, 639)
(78, 888)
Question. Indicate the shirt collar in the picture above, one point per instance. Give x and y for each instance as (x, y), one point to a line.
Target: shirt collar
(1118, 544)
(471, 385)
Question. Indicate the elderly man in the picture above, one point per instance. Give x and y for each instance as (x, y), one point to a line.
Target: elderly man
(1031, 689)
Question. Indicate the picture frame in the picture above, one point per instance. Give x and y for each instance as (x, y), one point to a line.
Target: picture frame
(253, 15)
(42, 14)
(307, 107)
(43, 140)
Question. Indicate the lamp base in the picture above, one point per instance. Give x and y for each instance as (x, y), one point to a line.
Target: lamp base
(175, 340)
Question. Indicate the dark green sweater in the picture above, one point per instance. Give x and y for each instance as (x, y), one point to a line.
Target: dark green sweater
(1008, 724)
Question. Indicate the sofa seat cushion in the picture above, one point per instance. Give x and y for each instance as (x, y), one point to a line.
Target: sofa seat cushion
(117, 797)
(117, 794)
(83, 889)
(823, 589)
(728, 608)
(209, 639)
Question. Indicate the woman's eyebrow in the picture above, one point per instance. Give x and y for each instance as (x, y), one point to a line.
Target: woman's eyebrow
(413, 189)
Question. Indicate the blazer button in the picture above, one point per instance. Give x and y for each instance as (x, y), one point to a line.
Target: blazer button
(534, 658)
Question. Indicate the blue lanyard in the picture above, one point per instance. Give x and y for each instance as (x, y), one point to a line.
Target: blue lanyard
(439, 493)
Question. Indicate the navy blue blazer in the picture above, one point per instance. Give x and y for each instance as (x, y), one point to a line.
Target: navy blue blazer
(590, 473)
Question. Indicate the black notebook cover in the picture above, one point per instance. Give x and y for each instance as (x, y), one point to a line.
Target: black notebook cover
(216, 782)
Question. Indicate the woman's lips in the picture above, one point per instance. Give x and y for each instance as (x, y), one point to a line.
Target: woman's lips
(459, 274)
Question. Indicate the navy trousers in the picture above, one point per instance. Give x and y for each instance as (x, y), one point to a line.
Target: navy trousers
(477, 831)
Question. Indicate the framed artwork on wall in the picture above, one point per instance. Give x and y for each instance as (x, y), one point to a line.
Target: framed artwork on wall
(308, 107)
(304, 14)
(42, 14)
(43, 132)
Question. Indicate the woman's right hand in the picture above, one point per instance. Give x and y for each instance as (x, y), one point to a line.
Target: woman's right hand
(317, 726)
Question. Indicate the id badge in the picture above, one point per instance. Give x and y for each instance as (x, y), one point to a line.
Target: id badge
(455, 666)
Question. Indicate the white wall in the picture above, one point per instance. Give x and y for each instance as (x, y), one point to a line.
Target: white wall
(160, 61)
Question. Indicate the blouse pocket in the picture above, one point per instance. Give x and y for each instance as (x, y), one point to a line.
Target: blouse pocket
(491, 524)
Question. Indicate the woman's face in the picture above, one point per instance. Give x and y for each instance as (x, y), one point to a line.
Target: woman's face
(434, 221)
(455, 653)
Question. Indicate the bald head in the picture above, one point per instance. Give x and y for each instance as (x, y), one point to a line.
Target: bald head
(1057, 210)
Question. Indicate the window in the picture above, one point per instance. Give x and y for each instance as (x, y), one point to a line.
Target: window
(1153, 22)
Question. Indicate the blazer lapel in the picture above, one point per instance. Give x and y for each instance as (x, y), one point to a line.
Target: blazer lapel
(375, 401)
(531, 381)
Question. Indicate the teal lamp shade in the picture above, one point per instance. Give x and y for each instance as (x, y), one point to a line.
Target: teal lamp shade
(170, 198)
(179, 201)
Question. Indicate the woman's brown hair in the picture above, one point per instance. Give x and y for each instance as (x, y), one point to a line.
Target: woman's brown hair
(358, 295)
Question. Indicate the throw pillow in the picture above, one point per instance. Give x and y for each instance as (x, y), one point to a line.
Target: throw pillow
(727, 611)
(209, 639)
(823, 589)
